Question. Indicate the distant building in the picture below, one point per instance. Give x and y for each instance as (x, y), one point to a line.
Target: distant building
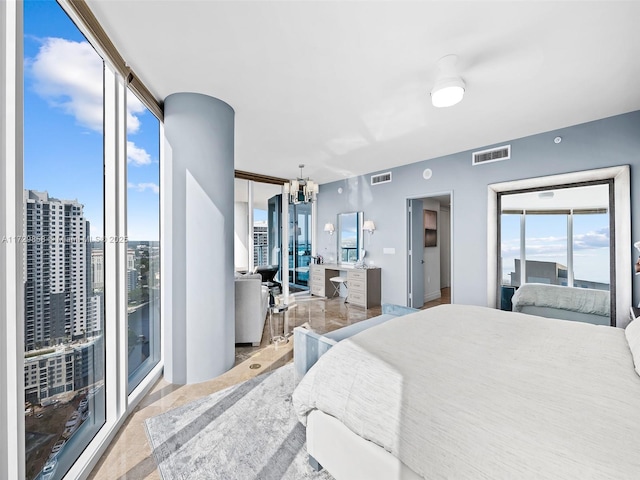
(97, 270)
(551, 273)
(48, 374)
(55, 267)
(132, 280)
(260, 244)
(131, 259)
(63, 369)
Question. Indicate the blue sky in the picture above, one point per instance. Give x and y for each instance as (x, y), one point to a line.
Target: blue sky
(63, 151)
(546, 241)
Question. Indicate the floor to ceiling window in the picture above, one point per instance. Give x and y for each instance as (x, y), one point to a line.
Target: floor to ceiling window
(558, 236)
(64, 257)
(143, 246)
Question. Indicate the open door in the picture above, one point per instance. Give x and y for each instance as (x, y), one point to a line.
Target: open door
(416, 254)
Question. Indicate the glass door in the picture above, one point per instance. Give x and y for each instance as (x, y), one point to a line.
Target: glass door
(299, 246)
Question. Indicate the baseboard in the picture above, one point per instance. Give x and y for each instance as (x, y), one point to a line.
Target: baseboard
(432, 296)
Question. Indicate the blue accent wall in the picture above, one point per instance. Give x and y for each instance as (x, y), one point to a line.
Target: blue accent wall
(602, 143)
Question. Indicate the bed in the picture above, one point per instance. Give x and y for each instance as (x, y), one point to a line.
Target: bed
(567, 303)
(466, 392)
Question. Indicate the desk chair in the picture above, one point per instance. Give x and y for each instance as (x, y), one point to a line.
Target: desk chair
(336, 282)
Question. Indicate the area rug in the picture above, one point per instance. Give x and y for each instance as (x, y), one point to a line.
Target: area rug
(245, 432)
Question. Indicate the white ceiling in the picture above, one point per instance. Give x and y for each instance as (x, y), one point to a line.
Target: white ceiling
(343, 87)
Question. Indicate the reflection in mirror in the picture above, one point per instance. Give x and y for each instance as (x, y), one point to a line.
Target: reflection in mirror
(614, 236)
(349, 236)
(556, 236)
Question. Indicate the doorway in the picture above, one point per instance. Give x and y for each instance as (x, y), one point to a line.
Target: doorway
(429, 252)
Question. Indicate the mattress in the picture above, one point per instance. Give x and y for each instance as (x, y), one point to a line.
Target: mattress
(470, 392)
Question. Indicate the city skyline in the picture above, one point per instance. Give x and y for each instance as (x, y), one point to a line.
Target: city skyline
(63, 100)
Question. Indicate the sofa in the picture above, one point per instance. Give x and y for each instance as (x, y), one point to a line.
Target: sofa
(252, 303)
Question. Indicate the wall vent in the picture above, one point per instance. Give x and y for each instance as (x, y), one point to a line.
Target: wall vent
(381, 178)
(491, 155)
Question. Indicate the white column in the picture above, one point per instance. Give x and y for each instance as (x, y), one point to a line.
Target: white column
(200, 327)
(251, 262)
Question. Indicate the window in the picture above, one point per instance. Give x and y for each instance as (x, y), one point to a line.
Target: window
(143, 247)
(63, 164)
(547, 232)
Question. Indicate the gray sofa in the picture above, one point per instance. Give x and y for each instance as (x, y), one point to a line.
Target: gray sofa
(252, 303)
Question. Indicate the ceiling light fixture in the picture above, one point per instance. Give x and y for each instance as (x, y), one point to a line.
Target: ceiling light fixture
(301, 190)
(449, 87)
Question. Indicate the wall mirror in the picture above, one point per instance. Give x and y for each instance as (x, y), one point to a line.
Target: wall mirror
(570, 230)
(349, 237)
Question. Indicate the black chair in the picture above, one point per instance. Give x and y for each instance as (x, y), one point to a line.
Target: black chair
(268, 273)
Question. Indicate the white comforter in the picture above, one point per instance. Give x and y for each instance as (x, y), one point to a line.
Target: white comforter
(462, 392)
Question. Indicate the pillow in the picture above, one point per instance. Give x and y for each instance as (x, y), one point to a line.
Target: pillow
(632, 332)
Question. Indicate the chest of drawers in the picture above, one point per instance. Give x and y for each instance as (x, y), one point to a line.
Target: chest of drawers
(363, 284)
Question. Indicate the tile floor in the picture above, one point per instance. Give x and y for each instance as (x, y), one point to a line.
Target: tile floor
(129, 456)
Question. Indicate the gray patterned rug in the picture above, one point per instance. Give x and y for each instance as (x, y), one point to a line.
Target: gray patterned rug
(245, 432)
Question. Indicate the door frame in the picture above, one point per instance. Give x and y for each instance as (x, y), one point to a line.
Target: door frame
(407, 259)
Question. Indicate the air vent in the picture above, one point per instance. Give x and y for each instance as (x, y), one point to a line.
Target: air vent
(491, 155)
(381, 178)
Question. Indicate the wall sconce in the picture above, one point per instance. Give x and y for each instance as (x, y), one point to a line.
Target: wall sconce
(369, 226)
(328, 227)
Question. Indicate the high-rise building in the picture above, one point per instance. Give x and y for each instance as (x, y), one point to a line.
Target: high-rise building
(97, 270)
(260, 244)
(55, 266)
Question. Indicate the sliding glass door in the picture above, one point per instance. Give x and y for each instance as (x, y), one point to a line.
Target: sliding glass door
(299, 246)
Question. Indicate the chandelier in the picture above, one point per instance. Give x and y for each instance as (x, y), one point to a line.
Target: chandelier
(301, 190)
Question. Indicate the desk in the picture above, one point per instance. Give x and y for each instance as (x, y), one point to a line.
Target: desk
(364, 284)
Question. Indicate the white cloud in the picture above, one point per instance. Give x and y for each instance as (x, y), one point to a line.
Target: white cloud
(141, 187)
(136, 155)
(69, 75)
(134, 106)
(589, 240)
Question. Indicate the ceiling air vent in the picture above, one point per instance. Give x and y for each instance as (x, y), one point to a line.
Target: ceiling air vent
(491, 155)
(381, 178)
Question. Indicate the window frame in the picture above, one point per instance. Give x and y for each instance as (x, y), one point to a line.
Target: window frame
(119, 405)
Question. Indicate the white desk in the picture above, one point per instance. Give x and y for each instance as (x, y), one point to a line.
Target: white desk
(364, 284)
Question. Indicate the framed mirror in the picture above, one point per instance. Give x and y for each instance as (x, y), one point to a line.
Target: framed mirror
(350, 239)
(576, 214)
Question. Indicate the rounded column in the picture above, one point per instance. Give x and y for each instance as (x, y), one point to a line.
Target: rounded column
(198, 237)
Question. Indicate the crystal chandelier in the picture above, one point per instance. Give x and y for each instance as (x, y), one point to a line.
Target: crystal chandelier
(301, 190)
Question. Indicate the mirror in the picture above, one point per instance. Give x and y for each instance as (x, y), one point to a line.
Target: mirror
(582, 229)
(349, 237)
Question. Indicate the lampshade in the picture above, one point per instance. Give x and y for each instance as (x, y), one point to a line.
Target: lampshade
(369, 226)
(301, 189)
(328, 227)
(449, 87)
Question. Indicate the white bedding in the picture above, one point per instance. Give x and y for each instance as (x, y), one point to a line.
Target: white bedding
(582, 300)
(462, 392)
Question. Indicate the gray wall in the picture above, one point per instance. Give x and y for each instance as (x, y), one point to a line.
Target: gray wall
(199, 313)
(602, 143)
